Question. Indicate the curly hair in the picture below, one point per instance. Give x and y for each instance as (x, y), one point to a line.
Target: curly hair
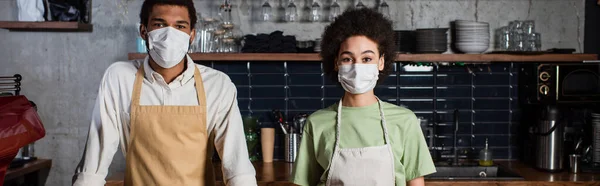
(148, 5)
(358, 22)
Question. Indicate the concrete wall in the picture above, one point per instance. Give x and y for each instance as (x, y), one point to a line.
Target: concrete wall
(62, 70)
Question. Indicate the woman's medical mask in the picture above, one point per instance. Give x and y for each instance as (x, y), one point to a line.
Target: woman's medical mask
(358, 78)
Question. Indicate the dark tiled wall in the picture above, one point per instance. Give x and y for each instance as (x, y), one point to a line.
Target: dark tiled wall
(485, 95)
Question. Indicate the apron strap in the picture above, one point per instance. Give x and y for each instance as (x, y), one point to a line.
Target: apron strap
(383, 122)
(137, 87)
(139, 79)
(339, 123)
(199, 87)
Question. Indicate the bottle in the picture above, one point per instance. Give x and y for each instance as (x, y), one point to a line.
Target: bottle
(485, 156)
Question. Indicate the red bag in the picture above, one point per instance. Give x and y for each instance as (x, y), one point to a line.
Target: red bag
(19, 125)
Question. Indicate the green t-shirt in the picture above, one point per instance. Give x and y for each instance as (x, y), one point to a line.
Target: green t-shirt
(361, 127)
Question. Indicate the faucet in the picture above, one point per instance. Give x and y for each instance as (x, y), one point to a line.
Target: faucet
(455, 149)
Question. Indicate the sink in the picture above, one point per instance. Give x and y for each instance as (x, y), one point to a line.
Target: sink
(473, 173)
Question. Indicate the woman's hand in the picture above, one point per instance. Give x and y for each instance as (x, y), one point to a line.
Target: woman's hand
(420, 181)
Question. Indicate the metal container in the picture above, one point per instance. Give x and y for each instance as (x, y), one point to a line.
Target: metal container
(574, 163)
(27, 152)
(549, 141)
(291, 146)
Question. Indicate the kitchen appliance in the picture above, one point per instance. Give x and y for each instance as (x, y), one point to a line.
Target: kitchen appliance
(549, 141)
(559, 83)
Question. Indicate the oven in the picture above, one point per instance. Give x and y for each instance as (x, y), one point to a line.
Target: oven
(560, 83)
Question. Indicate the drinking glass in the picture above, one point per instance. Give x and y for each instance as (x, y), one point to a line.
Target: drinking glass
(315, 12)
(245, 8)
(517, 41)
(334, 10)
(226, 13)
(516, 26)
(360, 5)
(384, 9)
(533, 42)
(291, 12)
(266, 11)
(229, 45)
(529, 27)
(503, 39)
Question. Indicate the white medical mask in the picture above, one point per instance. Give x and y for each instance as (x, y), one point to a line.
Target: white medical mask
(167, 46)
(358, 78)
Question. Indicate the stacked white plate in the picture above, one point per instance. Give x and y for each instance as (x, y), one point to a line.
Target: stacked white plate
(472, 37)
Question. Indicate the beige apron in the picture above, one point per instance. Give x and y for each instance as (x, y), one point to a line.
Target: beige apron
(168, 144)
(373, 166)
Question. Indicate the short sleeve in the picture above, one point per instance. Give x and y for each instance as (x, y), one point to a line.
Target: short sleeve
(416, 159)
(307, 170)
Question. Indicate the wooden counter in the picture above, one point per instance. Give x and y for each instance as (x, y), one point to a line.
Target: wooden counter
(32, 173)
(278, 174)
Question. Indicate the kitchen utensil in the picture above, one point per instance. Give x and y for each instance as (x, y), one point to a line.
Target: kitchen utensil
(578, 145)
(283, 128)
(291, 145)
(267, 141)
(574, 161)
(299, 122)
(281, 121)
(586, 154)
